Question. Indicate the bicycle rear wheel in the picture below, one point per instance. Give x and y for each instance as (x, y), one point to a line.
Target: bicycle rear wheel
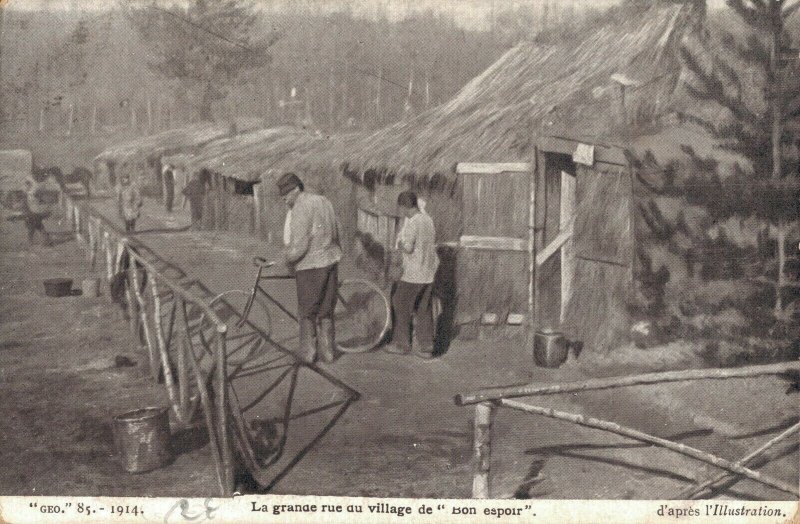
(362, 316)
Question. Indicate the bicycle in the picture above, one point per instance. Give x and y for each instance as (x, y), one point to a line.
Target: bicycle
(362, 317)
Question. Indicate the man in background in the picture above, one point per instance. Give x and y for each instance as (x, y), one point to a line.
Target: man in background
(129, 201)
(168, 175)
(313, 248)
(411, 301)
(38, 200)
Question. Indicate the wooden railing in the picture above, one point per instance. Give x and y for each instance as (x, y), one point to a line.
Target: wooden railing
(487, 401)
(182, 336)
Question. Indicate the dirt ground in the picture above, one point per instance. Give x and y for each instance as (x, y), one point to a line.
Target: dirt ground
(403, 437)
(61, 382)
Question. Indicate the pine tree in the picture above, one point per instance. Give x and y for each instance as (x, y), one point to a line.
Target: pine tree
(759, 93)
(205, 45)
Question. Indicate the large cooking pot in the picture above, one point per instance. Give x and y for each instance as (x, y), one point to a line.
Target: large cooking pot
(550, 349)
(58, 287)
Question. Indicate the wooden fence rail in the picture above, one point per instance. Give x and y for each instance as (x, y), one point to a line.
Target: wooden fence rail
(487, 401)
(171, 339)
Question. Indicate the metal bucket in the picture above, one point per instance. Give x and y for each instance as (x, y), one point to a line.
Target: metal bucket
(549, 349)
(142, 439)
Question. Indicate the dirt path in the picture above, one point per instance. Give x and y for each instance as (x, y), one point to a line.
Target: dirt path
(405, 436)
(60, 384)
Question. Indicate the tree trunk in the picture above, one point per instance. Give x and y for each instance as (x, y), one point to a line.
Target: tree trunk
(378, 115)
(204, 110)
(777, 131)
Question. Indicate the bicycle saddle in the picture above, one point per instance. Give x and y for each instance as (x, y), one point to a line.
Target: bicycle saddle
(263, 262)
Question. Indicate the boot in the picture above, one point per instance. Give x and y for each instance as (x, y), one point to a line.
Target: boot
(325, 340)
(308, 344)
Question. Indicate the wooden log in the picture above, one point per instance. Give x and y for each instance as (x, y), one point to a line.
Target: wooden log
(109, 256)
(212, 433)
(481, 450)
(751, 457)
(526, 390)
(166, 366)
(145, 325)
(132, 315)
(222, 411)
(683, 449)
(183, 372)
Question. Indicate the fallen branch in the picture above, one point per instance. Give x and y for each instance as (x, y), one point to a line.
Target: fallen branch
(526, 390)
(693, 491)
(683, 449)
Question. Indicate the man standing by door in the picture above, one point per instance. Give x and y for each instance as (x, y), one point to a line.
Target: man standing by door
(313, 248)
(412, 296)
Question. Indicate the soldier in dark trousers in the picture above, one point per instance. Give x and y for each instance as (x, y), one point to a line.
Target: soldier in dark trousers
(412, 297)
(313, 249)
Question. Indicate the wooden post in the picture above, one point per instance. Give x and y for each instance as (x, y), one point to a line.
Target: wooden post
(482, 450)
(109, 256)
(132, 317)
(532, 249)
(166, 365)
(148, 335)
(222, 409)
(257, 226)
(183, 348)
(212, 433)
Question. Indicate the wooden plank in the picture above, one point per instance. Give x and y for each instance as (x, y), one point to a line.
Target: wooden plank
(553, 247)
(494, 243)
(494, 168)
(568, 196)
(606, 154)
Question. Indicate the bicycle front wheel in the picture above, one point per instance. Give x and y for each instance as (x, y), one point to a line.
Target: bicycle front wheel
(362, 316)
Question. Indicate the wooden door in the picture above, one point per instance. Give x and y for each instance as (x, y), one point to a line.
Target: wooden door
(493, 266)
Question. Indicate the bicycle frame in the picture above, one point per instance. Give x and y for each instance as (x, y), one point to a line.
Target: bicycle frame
(257, 287)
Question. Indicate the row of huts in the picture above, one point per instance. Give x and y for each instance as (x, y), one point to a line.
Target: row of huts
(525, 172)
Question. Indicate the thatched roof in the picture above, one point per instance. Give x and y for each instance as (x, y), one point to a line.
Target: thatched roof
(270, 152)
(173, 141)
(537, 89)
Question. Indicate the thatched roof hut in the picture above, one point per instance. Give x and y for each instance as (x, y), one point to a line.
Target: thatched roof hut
(538, 89)
(142, 155)
(237, 165)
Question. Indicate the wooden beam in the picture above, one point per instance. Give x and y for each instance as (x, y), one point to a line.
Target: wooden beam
(606, 154)
(477, 168)
(529, 390)
(553, 247)
(494, 243)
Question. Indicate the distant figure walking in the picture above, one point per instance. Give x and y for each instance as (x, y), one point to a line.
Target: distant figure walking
(129, 202)
(412, 297)
(195, 193)
(168, 175)
(38, 199)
